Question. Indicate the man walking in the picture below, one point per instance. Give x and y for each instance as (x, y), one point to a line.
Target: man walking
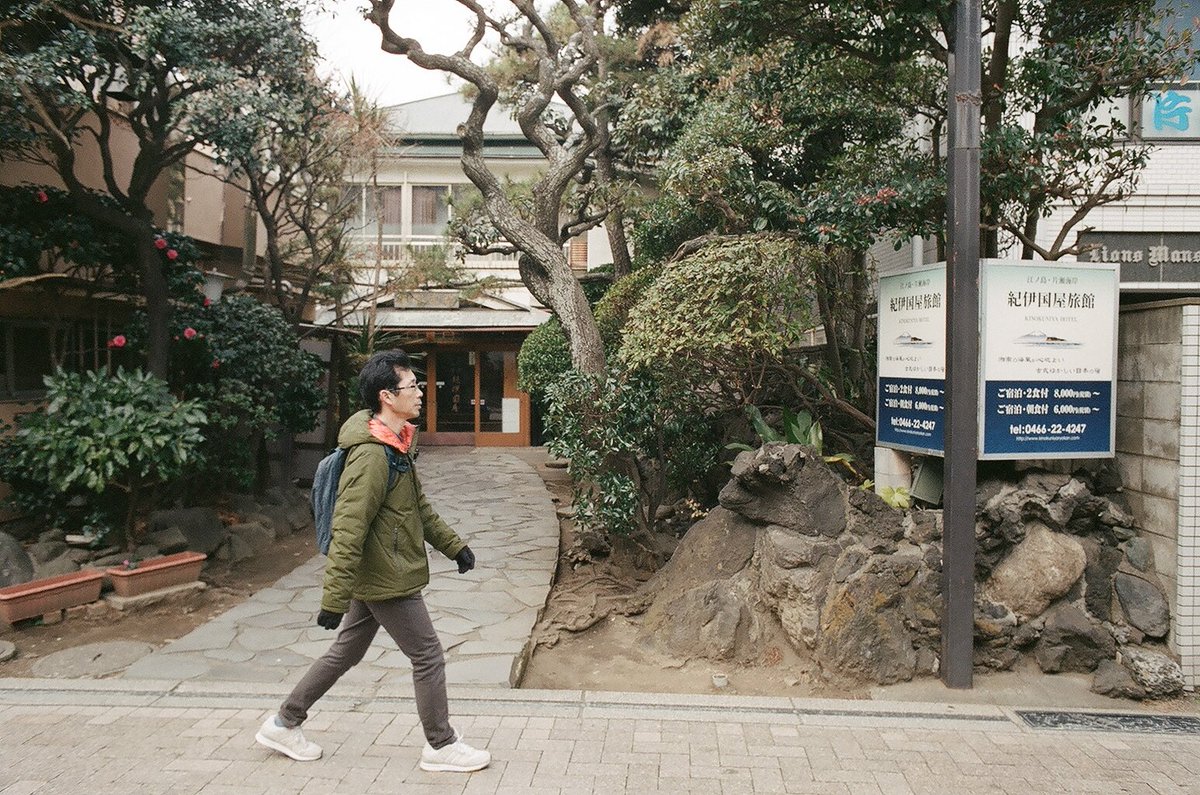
(377, 569)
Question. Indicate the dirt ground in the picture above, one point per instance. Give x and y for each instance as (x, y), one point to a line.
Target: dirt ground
(159, 623)
(604, 651)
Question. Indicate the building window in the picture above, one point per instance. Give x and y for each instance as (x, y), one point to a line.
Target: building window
(29, 351)
(366, 220)
(430, 210)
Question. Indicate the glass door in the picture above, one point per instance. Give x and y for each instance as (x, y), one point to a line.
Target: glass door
(473, 399)
(455, 392)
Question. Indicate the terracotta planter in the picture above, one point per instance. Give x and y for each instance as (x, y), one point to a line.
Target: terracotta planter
(157, 573)
(39, 597)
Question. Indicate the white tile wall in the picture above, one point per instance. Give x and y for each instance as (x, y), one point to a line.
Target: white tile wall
(1167, 199)
(1187, 568)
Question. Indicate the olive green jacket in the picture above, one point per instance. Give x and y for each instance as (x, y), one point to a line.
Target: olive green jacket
(378, 546)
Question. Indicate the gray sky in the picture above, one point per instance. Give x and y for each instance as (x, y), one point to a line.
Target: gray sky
(350, 46)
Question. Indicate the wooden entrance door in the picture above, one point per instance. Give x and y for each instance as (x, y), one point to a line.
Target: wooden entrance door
(472, 399)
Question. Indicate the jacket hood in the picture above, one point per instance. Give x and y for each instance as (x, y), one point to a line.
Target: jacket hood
(354, 430)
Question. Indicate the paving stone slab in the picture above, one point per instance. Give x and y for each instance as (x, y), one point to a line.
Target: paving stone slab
(91, 660)
(501, 506)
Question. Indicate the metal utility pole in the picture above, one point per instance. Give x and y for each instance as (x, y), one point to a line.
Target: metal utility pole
(962, 349)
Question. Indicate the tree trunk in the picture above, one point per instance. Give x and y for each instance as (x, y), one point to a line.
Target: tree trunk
(995, 82)
(557, 288)
(158, 307)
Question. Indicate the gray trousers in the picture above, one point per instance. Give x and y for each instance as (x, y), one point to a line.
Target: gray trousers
(407, 621)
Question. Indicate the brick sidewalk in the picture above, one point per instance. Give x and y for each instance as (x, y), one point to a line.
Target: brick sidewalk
(109, 737)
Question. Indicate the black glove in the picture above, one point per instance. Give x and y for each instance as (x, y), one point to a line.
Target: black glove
(328, 619)
(465, 560)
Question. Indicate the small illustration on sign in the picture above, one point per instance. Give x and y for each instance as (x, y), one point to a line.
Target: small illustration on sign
(909, 341)
(1040, 339)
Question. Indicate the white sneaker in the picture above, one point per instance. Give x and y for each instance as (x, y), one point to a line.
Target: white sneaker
(289, 742)
(457, 757)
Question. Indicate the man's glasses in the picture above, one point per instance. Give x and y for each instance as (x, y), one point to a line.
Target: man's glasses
(399, 389)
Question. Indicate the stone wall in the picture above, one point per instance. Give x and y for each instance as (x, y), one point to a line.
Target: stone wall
(1158, 452)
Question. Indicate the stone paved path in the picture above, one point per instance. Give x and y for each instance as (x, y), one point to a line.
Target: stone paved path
(62, 737)
(494, 500)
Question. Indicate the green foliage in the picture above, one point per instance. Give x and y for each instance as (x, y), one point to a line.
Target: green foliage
(630, 443)
(798, 428)
(543, 358)
(896, 496)
(545, 355)
(102, 440)
(241, 359)
(40, 227)
(612, 312)
(829, 99)
(36, 222)
(143, 84)
(713, 319)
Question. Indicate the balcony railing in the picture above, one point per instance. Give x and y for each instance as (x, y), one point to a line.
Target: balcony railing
(398, 249)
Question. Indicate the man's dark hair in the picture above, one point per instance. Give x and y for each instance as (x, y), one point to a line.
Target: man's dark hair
(380, 373)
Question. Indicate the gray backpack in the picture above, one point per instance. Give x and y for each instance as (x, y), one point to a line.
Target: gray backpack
(325, 488)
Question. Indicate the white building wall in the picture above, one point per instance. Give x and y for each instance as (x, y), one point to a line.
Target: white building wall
(1167, 199)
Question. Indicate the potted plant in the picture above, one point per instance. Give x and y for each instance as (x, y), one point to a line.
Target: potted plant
(135, 578)
(49, 595)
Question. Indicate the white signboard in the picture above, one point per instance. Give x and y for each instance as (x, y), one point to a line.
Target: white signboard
(1047, 360)
(912, 360)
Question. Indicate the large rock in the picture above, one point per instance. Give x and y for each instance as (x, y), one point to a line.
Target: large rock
(15, 564)
(787, 485)
(1102, 563)
(717, 547)
(168, 540)
(255, 535)
(1143, 602)
(63, 564)
(711, 621)
(47, 549)
(793, 576)
(1140, 554)
(1156, 673)
(1072, 642)
(862, 635)
(1041, 569)
(1113, 680)
(1045, 497)
(201, 526)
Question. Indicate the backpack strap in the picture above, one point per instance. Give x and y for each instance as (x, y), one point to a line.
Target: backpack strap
(398, 464)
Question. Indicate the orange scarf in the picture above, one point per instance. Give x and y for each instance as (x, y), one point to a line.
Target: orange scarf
(389, 437)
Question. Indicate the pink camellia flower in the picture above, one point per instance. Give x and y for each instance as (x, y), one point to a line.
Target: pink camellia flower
(117, 341)
(207, 301)
(160, 243)
(42, 196)
(172, 254)
(189, 333)
(216, 363)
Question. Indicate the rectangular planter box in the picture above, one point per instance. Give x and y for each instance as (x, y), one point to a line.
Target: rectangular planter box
(38, 597)
(157, 573)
